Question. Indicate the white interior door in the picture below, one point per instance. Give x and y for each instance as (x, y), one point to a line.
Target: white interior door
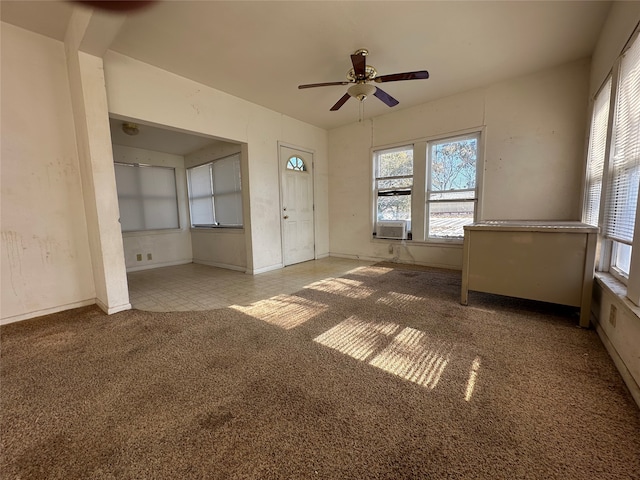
(296, 171)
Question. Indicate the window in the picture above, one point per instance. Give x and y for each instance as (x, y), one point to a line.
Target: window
(297, 164)
(431, 185)
(393, 183)
(451, 186)
(624, 163)
(596, 155)
(147, 197)
(215, 194)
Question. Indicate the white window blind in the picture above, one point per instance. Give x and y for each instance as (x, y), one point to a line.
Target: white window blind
(622, 192)
(201, 195)
(226, 191)
(597, 145)
(215, 193)
(147, 197)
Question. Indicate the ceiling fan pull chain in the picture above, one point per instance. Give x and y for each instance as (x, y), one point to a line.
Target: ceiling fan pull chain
(361, 111)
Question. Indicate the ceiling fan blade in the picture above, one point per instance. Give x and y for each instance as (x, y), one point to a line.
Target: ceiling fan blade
(340, 102)
(385, 97)
(394, 77)
(326, 84)
(359, 65)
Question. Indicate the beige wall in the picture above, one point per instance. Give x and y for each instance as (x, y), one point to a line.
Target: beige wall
(623, 18)
(534, 130)
(167, 247)
(46, 264)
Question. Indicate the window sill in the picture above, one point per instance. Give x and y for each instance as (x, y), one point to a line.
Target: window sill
(223, 230)
(618, 289)
(423, 243)
(143, 233)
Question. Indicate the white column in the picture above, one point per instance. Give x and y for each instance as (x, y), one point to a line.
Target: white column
(92, 32)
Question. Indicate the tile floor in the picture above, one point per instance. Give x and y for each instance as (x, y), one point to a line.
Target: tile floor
(200, 287)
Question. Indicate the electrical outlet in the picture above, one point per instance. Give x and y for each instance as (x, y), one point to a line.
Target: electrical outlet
(149, 256)
(612, 315)
(139, 257)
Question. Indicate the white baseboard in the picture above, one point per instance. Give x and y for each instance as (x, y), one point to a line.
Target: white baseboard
(112, 310)
(357, 257)
(219, 265)
(149, 266)
(622, 368)
(393, 260)
(265, 269)
(47, 311)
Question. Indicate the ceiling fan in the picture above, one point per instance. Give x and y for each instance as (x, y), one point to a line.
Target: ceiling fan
(360, 76)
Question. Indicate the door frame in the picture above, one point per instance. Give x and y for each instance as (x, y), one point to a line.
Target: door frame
(313, 194)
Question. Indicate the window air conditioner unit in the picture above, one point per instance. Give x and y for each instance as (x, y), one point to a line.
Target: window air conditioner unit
(393, 229)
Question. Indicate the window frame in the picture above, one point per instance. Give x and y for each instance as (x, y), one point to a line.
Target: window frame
(608, 254)
(606, 261)
(390, 191)
(213, 194)
(419, 227)
(450, 139)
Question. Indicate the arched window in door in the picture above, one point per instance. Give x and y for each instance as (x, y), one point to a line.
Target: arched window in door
(297, 164)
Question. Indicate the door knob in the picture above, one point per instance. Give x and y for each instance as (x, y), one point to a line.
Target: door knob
(285, 217)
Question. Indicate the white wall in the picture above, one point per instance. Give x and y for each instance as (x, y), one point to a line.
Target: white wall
(622, 337)
(534, 142)
(622, 19)
(167, 247)
(138, 90)
(220, 247)
(46, 264)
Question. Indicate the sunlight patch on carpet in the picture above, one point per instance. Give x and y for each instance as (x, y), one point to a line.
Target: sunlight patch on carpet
(395, 299)
(345, 287)
(412, 355)
(284, 311)
(405, 352)
(473, 375)
(358, 338)
(370, 271)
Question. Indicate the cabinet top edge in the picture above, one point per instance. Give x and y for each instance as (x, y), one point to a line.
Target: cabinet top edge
(533, 226)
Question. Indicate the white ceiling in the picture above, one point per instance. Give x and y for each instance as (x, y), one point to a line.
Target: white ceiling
(158, 139)
(261, 51)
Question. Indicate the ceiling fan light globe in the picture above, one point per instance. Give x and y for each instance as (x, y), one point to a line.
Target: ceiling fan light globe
(361, 90)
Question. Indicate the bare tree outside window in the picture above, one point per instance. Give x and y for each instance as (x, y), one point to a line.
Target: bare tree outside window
(453, 165)
(452, 187)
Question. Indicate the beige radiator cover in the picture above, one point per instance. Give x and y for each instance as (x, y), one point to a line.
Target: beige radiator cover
(546, 261)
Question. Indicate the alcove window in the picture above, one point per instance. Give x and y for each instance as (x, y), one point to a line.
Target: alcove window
(147, 197)
(215, 193)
